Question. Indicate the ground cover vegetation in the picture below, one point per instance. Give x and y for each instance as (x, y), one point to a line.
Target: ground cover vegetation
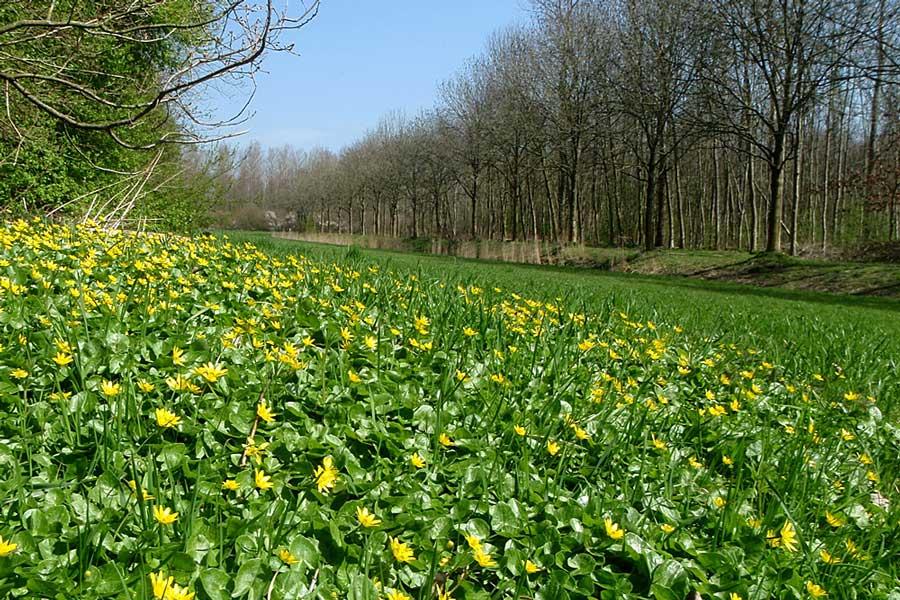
(188, 418)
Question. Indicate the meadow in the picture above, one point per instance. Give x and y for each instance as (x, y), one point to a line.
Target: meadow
(216, 418)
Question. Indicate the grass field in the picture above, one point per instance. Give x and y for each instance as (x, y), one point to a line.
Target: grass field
(762, 270)
(212, 419)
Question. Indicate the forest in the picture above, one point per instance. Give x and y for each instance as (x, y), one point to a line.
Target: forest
(730, 124)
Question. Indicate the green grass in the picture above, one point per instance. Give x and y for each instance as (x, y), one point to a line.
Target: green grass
(804, 329)
(333, 423)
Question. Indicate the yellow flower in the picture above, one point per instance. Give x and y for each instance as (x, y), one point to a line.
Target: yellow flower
(815, 590)
(828, 557)
(109, 388)
(552, 447)
(445, 441)
(580, 433)
(531, 568)
(727, 460)
(264, 412)
(179, 593)
(834, 520)
(519, 430)
(484, 558)
(164, 515)
(161, 585)
(231, 485)
(734, 596)
(211, 372)
(474, 541)
(62, 359)
(417, 461)
(263, 481)
(847, 436)
(326, 475)
(720, 502)
(469, 332)
(180, 383)
(402, 552)
(851, 396)
(166, 418)
(18, 373)
(612, 529)
(354, 378)
(254, 451)
(144, 493)
(7, 547)
(695, 463)
(177, 356)
(287, 558)
(658, 444)
(788, 537)
(145, 386)
(397, 595)
(365, 518)
(666, 528)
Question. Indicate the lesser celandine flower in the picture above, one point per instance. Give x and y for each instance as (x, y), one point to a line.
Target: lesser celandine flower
(110, 389)
(788, 537)
(402, 552)
(7, 547)
(326, 475)
(445, 440)
(264, 412)
(397, 595)
(815, 590)
(161, 584)
(62, 359)
(417, 461)
(531, 567)
(177, 356)
(231, 485)
(483, 558)
(287, 558)
(365, 518)
(164, 515)
(166, 418)
(552, 447)
(263, 481)
(834, 520)
(613, 530)
(211, 372)
(520, 430)
(144, 493)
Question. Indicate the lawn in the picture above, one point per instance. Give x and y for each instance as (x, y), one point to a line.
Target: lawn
(212, 418)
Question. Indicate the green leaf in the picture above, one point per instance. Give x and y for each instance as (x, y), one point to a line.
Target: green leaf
(215, 583)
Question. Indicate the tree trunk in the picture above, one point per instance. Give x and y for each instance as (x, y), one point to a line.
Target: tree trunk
(776, 178)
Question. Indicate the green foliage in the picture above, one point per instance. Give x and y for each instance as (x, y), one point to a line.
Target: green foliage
(45, 163)
(613, 453)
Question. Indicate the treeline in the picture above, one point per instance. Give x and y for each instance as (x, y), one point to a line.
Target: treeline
(756, 124)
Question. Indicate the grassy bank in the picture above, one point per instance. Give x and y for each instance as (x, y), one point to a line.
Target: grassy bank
(761, 270)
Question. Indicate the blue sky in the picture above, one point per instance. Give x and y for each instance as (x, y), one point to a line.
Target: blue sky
(360, 59)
